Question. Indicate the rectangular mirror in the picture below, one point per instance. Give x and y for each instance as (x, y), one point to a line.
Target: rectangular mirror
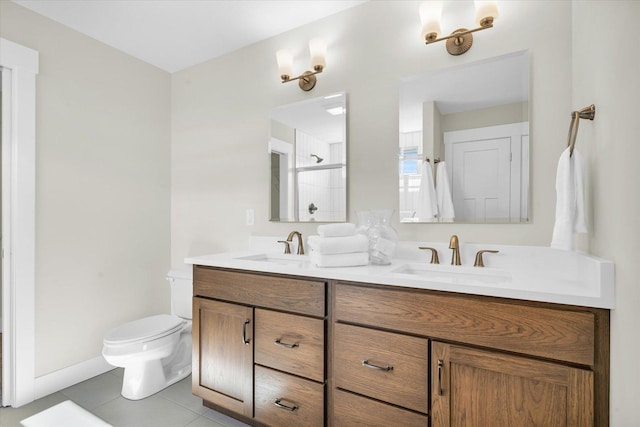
(308, 155)
(472, 123)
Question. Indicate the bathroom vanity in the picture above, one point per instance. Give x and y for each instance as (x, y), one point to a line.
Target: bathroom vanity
(280, 342)
(259, 345)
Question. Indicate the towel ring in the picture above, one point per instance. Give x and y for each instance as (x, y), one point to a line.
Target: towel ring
(584, 113)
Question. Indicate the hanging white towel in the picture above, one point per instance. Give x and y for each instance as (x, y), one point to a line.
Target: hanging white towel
(569, 201)
(427, 202)
(443, 193)
(337, 230)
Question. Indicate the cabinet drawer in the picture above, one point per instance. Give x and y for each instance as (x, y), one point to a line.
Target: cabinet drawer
(352, 410)
(290, 343)
(295, 295)
(285, 400)
(523, 328)
(383, 365)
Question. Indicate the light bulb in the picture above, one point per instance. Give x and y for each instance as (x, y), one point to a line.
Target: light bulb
(486, 12)
(285, 63)
(318, 50)
(430, 13)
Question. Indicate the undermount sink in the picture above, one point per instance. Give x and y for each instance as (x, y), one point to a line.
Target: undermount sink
(460, 275)
(292, 259)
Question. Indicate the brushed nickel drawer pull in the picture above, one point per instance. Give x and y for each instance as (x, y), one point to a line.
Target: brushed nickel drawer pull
(440, 363)
(366, 363)
(283, 344)
(245, 341)
(291, 408)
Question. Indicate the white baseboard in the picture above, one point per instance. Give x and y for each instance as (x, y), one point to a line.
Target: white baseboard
(59, 380)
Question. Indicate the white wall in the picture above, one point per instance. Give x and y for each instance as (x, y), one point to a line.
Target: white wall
(605, 73)
(491, 116)
(102, 188)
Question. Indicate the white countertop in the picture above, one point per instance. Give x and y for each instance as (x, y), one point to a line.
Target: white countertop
(522, 272)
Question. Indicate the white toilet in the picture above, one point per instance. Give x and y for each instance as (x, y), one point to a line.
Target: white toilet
(155, 352)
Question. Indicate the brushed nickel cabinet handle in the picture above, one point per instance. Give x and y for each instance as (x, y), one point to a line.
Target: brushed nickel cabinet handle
(440, 364)
(368, 364)
(283, 344)
(291, 408)
(245, 341)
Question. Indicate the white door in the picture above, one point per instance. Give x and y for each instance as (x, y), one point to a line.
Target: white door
(483, 176)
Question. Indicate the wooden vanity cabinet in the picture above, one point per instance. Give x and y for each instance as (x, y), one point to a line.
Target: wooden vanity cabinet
(493, 361)
(266, 350)
(259, 346)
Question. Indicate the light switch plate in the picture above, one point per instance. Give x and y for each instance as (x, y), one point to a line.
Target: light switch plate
(250, 217)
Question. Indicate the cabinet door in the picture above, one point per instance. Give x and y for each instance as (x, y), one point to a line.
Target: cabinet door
(475, 388)
(223, 354)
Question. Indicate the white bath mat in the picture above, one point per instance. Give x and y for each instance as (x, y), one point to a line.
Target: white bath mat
(65, 414)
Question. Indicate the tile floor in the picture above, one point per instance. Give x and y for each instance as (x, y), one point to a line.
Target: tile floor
(173, 407)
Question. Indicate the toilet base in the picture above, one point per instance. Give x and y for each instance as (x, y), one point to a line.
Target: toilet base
(144, 379)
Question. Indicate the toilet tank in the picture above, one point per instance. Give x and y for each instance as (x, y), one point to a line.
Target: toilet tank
(181, 282)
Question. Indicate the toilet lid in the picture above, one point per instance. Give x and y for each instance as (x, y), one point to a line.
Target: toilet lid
(144, 329)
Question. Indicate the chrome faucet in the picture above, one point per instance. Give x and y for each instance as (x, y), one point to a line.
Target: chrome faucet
(300, 245)
(455, 256)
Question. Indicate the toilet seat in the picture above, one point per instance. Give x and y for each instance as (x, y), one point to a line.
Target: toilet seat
(142, 330)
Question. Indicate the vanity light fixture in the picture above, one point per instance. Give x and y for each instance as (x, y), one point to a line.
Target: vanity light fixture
(306, 80)
(461, 40)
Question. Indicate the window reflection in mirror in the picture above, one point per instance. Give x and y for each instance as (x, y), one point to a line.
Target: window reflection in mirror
(472, 123)
(307, 149)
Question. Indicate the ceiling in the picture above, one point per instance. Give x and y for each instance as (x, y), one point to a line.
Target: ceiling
(482, 84)
(313, 117)
(176, 34)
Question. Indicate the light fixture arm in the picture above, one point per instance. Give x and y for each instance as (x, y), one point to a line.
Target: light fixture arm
(431, 37)
(307, 79)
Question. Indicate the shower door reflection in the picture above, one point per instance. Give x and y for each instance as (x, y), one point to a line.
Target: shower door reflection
(308, 161)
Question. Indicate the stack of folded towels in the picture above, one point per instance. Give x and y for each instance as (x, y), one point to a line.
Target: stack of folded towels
(338, 245)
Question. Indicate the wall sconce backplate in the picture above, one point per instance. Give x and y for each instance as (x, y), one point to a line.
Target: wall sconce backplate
(460, 44)
(307, 81)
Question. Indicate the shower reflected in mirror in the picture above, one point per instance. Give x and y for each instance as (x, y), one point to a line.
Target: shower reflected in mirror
(307, 149)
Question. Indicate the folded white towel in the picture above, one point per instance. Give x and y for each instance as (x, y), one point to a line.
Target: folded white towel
(337, 230)
(339, 260)
(569, 201)
(443, 193)
(427, 202)
(339, 245)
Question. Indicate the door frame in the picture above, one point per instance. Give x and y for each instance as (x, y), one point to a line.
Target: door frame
(18, 221)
